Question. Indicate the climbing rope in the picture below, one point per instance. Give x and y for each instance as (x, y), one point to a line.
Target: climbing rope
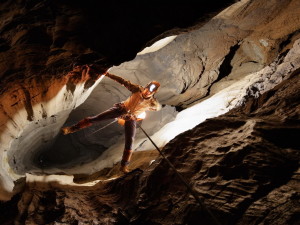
(190, 189)
(101, 128)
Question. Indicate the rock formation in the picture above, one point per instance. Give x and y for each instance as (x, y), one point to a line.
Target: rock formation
(44, 47)
(230, 82)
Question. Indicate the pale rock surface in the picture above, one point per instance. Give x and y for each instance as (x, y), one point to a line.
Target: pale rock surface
(35, 126)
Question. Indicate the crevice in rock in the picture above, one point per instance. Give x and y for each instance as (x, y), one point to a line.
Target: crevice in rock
(224, 70)
(251, 61)
(70, 86)
(200, 74)
(185, 87)
(44, 112)
(226, 67)
(288, 40)
(179, 108)
(28, 105)
(89, 83)
(9, 210)
(282, 55)
(53, 211)
(283, 137)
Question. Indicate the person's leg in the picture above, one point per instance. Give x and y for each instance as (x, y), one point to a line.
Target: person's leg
(130, 130)
(111, 113)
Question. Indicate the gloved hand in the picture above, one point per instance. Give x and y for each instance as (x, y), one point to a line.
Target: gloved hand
(66, 130)
(80, 125)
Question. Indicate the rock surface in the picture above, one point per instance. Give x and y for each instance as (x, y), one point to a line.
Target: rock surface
(42, 42)
(213, 79)
(244, 165)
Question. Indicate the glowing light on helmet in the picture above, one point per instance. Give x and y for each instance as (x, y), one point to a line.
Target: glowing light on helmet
(152, 87)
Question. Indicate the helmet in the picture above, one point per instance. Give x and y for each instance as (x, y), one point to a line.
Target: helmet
(153, 86)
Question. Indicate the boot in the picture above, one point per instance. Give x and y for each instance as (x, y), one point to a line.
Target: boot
(80, 125)
(125, 161)
(124, 168)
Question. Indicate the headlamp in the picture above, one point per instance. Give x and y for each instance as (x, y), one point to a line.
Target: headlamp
(152, 87)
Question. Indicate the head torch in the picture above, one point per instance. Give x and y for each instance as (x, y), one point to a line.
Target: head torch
(152, 87)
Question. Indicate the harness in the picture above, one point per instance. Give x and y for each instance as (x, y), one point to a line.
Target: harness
(126, 117)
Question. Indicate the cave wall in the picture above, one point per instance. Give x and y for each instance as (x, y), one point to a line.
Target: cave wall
(44, 43)
(243, 49)
(244, 165)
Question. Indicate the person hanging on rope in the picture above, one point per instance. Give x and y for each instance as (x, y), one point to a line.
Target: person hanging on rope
(127, 112)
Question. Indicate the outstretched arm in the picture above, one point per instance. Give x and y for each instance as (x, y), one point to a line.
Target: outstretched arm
(131, 87)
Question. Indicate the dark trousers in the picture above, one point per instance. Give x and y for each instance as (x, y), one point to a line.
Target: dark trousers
(130, 125)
